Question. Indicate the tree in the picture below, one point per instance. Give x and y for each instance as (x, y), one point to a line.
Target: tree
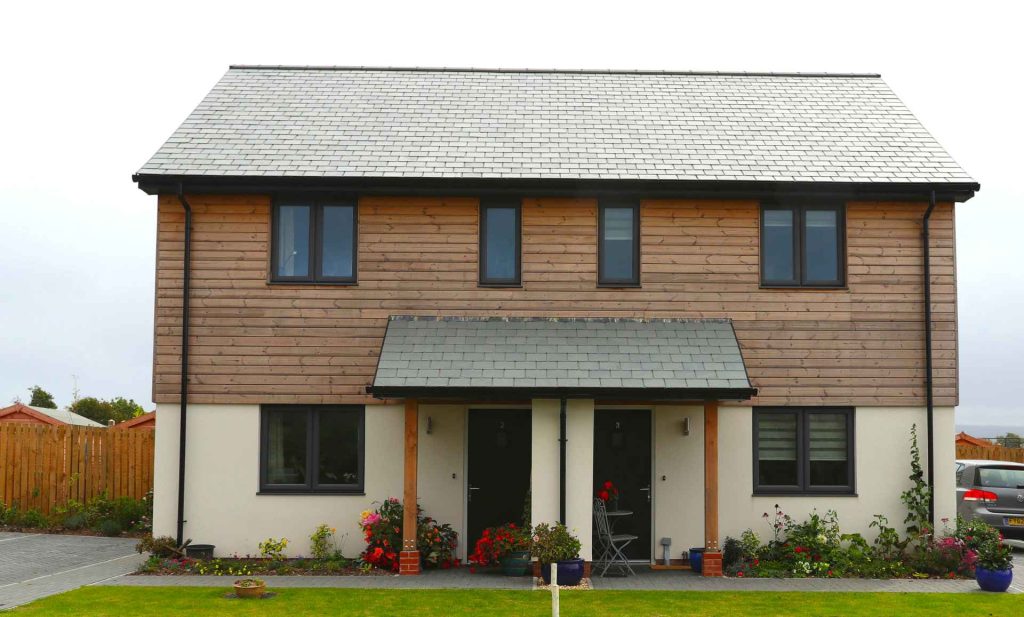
(118, 409)
(1011, 440)
(41, 398)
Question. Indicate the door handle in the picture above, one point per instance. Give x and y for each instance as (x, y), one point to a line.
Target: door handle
(647, 489)
(471, 489)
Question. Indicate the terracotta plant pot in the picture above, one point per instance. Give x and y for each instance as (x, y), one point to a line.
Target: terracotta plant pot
(250, 591)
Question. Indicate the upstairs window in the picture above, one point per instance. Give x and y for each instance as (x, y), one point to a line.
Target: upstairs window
(618, 250)
(314, 242)
(803, 450)
(803, 246)
(311, 449)
(500, 243)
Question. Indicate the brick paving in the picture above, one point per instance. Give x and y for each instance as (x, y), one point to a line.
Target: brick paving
(34, 566)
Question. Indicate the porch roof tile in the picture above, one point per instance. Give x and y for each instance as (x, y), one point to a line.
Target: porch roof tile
(556, 354)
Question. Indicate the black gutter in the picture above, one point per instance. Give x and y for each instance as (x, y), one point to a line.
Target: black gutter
(523, 393)
(928, 377)
(561, 462)
(185, 288)
(154, 184)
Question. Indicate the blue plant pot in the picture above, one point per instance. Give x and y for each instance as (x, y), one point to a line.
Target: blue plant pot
(696, 560)
(991, 580)
(570, 572)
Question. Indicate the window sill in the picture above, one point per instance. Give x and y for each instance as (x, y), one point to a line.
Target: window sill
(806, 287)
(313, 283)
(500, 285)
(804, 494)
(619, 285)
(311, 493)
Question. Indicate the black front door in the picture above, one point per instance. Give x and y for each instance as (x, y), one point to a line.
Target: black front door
(622, 455)
(500, 443)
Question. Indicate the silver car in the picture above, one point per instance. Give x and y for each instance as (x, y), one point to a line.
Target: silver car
(993, 491)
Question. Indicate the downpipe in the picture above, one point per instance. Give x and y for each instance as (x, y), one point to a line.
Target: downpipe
(929, 380)
(185, 292)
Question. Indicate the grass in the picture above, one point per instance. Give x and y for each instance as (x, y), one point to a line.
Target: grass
(198, 601)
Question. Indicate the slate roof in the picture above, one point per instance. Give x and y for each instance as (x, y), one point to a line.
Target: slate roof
(337, 122)
(546, 353)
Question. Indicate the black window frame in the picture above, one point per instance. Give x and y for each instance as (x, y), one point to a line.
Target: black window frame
(602, 279)
(316, 236)
(799, 211)
(803, 487)
(311, 486)
(517, 280)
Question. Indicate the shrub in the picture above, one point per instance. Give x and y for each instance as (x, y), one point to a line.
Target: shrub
(553, 543)
(110, 527)
(321, 543)
(994, 555)
(162, 546)
(382, 530)
(732, 553)
(975, 533)
(496, 542)
(75, 520)
(32, 518)
(273, 549)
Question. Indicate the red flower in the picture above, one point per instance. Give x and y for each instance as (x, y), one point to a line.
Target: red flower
(608, 485)
(739, 574)
(603, 495)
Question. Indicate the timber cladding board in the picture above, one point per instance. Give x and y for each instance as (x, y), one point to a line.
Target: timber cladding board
(254, 342)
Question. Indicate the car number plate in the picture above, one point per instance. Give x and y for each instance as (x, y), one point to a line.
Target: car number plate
(1016, 521)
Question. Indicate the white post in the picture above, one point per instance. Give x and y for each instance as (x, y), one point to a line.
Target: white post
(554, 589)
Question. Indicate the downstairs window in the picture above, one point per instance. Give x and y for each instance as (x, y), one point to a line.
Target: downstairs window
(311, 449)
(803, 450)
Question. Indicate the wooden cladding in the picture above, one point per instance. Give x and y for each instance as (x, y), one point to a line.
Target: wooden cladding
(252, 342)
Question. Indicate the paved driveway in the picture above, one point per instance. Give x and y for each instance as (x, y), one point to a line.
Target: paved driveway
(36, 565)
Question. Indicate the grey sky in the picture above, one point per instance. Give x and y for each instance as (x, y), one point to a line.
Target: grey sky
(90, 91)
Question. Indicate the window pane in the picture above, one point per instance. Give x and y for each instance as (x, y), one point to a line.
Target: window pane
(777, 246)
(828, 448)
(500, 243)
(821, 246)
(339, 447)
(777, 449)
(338, 239)
(286, 447)
(292, 240)
(1000, 477)
(617, 251)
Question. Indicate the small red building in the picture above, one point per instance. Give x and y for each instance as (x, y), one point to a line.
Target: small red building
(28, 414)
(145, 421)
(963, 439)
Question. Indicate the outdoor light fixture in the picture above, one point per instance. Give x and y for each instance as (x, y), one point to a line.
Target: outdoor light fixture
(430, 425)
(686, 426)
(618, 437)
(502, 436)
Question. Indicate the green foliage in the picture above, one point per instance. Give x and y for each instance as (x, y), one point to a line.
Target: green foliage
(110, 527)
(554, 543)
(41, 398)
(118, 409)
(32, 518)
(975, 533)
(918, 497)
(994, 555)
(322, 543)
(1010, 440)
(74, 521)
(273, 549)
(732, 553)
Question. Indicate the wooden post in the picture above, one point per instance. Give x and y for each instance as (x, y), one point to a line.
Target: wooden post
(712, 555)
(409, 558)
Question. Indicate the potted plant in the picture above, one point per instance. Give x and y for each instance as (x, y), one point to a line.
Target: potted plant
(250, 588)
(994, 568)
(507, 545)
(609, 494)
(553, 544)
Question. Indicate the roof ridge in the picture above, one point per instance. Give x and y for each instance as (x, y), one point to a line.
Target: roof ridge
(448, 69)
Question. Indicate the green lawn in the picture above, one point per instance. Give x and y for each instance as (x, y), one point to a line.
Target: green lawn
(125, 601)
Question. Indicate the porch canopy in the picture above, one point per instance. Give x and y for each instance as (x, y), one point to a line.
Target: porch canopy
(502, 358)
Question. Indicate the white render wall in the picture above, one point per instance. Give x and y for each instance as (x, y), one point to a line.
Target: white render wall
(222, 506)
(882, 444)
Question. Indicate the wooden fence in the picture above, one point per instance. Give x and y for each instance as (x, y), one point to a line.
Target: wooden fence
(44, 466)
(994, 453)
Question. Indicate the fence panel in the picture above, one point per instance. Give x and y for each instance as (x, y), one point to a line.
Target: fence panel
(43, 466)
(993, 453)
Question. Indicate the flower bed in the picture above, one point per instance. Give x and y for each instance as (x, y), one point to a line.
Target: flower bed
(255, 566)
(382, 530)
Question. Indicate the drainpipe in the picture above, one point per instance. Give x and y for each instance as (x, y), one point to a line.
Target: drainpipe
(185, 287)
(929, 385)
(561, 462)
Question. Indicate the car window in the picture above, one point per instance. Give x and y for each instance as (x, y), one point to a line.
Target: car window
(1001, 477)
(960, 474)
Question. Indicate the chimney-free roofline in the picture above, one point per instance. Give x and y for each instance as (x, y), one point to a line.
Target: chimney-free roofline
(155, 184)
(467, 69)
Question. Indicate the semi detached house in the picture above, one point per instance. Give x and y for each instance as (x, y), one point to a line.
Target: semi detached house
(491, 291)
